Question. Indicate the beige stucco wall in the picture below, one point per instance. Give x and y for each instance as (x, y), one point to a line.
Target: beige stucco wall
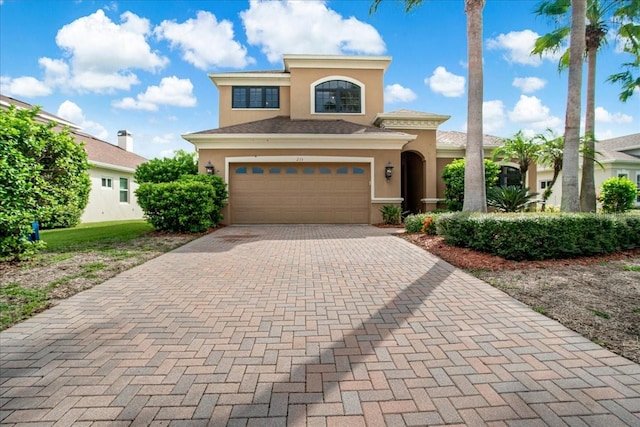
(382, 189)
(302, 84)
(228, 116)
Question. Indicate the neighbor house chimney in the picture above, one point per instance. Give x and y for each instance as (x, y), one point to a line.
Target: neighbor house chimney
(125, 140)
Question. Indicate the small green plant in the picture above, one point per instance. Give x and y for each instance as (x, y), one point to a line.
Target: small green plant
(391, 214)
(18, 303)
(636, 310)
(631, 267)
(540, 309)
(511, 198)
(617, 195)
(600, 313)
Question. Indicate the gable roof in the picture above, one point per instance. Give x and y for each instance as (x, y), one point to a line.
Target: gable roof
(621, 143)
(616, 148)
(284, 125)
(99, 152)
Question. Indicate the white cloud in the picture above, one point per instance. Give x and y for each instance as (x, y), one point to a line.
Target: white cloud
(164, 139)
(529, 84)
(205, 43)
(493, 116)
(281, 27)
(70, 111)
(102, 53)
(171, 91)
(518, 46)
(603, 116)
(398, 93)
(530, 111)
(23, 86)
(167, 153)
(446, 83)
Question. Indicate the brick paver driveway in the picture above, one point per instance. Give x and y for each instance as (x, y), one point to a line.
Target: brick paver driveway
(315, 325)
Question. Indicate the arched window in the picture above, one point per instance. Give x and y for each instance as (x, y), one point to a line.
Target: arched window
(338, 96)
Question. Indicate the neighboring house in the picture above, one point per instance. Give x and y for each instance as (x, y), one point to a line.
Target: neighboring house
(311, 144)
(112, 196)
(618, 157)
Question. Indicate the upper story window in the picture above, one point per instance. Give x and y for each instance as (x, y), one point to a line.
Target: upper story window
(338, 96)
(255, 97)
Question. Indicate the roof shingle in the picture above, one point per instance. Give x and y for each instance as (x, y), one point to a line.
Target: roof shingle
(284, 125)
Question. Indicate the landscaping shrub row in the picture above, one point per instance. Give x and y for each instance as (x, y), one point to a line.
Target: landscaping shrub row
(541, 236)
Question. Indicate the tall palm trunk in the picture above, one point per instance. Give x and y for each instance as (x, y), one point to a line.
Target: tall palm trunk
(587, 184)
(570, 195)
(475, 197)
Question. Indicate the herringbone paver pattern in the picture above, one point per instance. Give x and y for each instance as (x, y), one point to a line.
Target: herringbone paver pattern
(305, 325)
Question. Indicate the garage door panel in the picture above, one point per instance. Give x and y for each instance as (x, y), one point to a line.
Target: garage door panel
(315, 193)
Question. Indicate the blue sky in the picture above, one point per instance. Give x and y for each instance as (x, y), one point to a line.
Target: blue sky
(143, 65)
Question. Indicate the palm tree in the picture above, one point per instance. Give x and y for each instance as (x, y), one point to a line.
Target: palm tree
(521, 148)
(550, 154)
(475, 197)
(570, 156)
(599, 13)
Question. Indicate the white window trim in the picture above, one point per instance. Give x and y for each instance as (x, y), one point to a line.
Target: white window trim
(312, 97)
(107, 187)
(128, 190)
(623, 172)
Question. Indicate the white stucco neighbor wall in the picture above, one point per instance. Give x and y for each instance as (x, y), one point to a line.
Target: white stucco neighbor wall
(631, 171)
(104, 202)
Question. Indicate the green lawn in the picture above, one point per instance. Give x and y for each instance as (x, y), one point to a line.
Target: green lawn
(90, 235)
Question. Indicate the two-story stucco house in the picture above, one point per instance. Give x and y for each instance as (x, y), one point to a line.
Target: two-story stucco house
(311, 144)
(112, 195)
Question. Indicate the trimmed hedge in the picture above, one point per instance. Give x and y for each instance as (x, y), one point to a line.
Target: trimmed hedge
(177, 206)
(541, 236)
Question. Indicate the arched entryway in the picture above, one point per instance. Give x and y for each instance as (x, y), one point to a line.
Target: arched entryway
(412, 181)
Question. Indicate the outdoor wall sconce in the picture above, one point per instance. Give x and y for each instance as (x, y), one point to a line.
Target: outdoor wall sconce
(209, 168)
(388, 171)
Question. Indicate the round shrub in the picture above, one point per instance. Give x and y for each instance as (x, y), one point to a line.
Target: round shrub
(618, 195)
(177, 206)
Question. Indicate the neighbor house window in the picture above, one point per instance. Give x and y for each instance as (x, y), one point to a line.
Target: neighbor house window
(124, 190)
(509, 176)
(545, 184)
(623, 174)
(106, 183)
(338, 96)
(255, 97)
(638, 186)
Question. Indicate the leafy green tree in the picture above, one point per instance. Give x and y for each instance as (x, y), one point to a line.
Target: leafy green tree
(618, 195)
(453, 177)
(601, 15)
(56, 175)
(167, 169)
(524, 150)
(43, 177)
(475, 199)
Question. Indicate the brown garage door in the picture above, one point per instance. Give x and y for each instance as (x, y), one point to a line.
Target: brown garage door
(299, 193)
